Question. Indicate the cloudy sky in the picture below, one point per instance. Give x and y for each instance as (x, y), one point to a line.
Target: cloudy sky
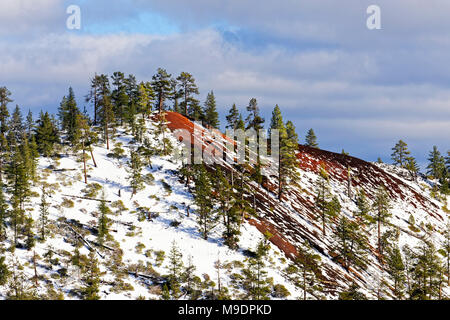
(360, 89)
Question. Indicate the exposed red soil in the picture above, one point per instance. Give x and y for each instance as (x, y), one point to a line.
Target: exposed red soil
(291, 227)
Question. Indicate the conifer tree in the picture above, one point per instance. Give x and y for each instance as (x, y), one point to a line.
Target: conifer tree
(381, 209)
(195, 111)
(412, 167)
(446, 250)
(105, 108)
(233, 118)
(228, 208)
(288, 158)
(4, 154)
(145, 99)
(135, 170)
(210, 111)
(352, 293)
(187, 85)
(254, 119)
(305, 270)
(400, 154)
(28, 232)
(311, 139)
(322, 195)
(46, 134)
(436, 164)
(3, 213)
(4, 113)
(68, 112)
(350, 243)
(91, 278)
(16, 127)
(363, 206)
(396, 270)
(256, 284)
(240, 124)
(175, 268)
(131, 89)
(94, 95)
(104, 222)
(43, 213)
(206, 216)
(161, 86)
(29, 124)
(4, 271)
(119, 96)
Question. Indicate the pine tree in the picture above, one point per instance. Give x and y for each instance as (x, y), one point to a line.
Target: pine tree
(352, 293)
(381, 209)
(254, 120)
(16, 127)
(119, 96)
(28, 232)
(363, 206)
(46, 134)
(195, 111)
(210, 111)
(206, 216)
(311, 139)
(305, 270)
(162, 88)
(19, 188)
(256, 284)
(105, 108)
(175, 269)
(3, 213)
(132, 89)
(322, 194)
(4, 272)
(240, 124)
(400, 154)
(437, 164)
(29, 124)
(187, 85)
(412, 167)
(350, 243)
(43, 212)
(288, 158)
(4, 113)
(233, 118)
(228, 208)
(4, 154)
(104, 222)
(146, 98)
(446, 250)
(68, 112)
(91, 278)
(396, 270)
(94, 95)
(135, 169)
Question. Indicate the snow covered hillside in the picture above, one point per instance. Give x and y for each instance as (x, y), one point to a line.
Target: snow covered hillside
(148, 226)
(144, 229)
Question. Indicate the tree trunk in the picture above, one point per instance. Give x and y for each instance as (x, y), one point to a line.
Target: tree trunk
(107, 135)
(92, 155)
(84, 165)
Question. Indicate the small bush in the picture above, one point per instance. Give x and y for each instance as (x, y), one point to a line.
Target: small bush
(92, 190)
(280, 291)
(67, 203)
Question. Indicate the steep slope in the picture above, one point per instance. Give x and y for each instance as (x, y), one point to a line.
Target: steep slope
(142, 231)
(295, 218)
